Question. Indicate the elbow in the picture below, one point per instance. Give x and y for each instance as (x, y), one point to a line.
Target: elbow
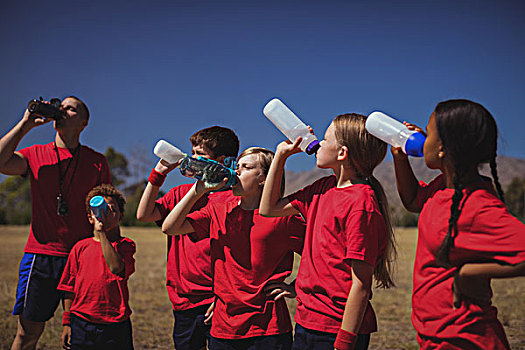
(118, 270)
(140, 216)
(167, 230)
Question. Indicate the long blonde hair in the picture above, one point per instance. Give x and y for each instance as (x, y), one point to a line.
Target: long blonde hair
(365, 153)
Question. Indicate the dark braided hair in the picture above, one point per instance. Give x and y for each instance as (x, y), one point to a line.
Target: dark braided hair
(469, 136)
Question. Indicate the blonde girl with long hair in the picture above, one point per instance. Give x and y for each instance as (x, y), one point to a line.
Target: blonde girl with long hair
(349, 239)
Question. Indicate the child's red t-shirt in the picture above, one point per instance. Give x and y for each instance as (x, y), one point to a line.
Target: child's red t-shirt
(343, 224)
(100, 296)
(247, 251)
(188, 272)
(487, 232)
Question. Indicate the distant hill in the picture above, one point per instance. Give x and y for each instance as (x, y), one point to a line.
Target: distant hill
(508, 168)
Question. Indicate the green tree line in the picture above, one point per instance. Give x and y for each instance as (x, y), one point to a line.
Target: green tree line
(15, 196)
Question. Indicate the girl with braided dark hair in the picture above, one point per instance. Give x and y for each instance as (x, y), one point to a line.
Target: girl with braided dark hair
(466, 234)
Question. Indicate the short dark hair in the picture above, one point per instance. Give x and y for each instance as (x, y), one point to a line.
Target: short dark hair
(219, 140)
(81, 103)
(106, 190)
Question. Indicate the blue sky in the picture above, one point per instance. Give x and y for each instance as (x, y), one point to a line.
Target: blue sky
(153, 70)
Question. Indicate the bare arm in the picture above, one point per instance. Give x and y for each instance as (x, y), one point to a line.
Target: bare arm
(11, 162)
(147, 211)
(66, 332)
(357, 301)
(272, 204)
(473, 280)
(113, 260)
(406, 182)
(176, 223)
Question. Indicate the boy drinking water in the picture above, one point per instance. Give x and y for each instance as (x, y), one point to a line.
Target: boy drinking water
(95, 279)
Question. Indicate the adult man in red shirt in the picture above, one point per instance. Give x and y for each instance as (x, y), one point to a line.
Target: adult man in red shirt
(62, 173)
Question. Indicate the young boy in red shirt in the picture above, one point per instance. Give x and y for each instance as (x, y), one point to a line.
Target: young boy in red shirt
(95, 279)
(188, 273)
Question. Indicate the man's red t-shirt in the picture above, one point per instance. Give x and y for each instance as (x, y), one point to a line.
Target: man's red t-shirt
(188, 273)
(51, 234)
(487, 232)
(342, 224)
(247, 252)
(100, 296)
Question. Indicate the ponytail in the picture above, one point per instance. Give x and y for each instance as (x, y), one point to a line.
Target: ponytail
(384, 269)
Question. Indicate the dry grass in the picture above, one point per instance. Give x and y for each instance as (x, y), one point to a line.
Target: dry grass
(152, 318)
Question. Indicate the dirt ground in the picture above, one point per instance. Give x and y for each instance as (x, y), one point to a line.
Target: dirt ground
(152, 318)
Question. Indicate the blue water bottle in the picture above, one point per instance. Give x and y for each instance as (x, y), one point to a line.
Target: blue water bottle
(98, 205)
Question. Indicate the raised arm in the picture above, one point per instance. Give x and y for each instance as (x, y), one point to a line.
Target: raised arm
(176, 223)
(406, 182)
(11, 162)
(147, 211)
(272, 204)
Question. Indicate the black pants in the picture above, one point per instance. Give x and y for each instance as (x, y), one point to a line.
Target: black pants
(94, 336)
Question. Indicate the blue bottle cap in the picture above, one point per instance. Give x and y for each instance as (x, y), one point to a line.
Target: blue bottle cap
(313, 147)
(97, 201)
(414, 145)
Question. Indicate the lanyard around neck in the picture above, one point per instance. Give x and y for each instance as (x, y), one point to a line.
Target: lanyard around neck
(62, 176)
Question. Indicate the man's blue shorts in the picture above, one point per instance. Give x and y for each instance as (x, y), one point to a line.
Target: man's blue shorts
(37, 296)
(274, 342)
(308, 339)
(189, 330)
(94, 336)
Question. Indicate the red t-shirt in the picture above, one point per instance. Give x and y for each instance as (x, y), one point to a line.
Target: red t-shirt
(51, 234)
(247, 252)
(188, 273)
(486, 232)
(100, 296)
(343, 224)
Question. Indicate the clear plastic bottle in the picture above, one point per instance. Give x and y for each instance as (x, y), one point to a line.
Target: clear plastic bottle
(290, 125)
(395, 133)
(200, 168)
(207, 170)
(168, 152)
(98, 205)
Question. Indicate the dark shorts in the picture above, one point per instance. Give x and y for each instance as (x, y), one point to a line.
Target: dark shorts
(274, 342)
(37, 296)
(308, 339)
(189, 330)
(94, 336)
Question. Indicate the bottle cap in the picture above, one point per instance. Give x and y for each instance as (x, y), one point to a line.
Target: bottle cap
(414, 144)
(312, 147)
(97, 201)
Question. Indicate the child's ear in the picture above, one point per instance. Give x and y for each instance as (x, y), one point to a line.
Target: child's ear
(90, 219)
(263, 180)
(342, 154)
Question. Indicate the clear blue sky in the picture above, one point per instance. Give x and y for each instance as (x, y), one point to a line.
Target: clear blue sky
(164, 69)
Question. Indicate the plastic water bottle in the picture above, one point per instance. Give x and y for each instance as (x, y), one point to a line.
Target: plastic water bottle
(98, 206)
(290, 125)
(200, 168)
(395, 133)
(207, 170)
(168, 152)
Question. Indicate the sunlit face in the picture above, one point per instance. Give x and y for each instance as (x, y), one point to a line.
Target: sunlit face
(433, 147)
(329, 150)
(75, 116)
(250, 176)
